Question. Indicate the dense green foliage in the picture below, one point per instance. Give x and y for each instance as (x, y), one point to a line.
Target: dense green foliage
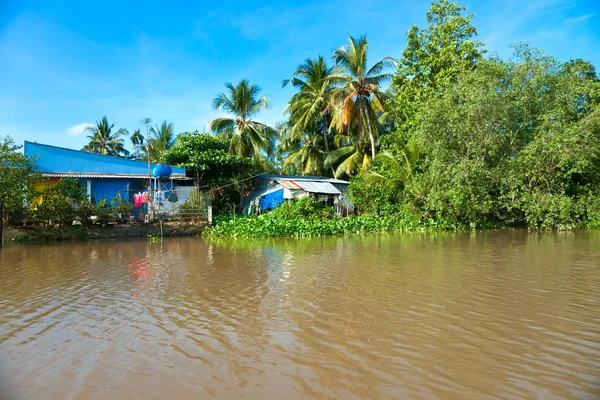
(458, 139)
(515, 141)
(307, 218)
(17, 175)
(60, 203)
(206, 158)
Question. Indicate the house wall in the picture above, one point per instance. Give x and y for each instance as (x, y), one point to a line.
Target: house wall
(104, 187)
(58, 159)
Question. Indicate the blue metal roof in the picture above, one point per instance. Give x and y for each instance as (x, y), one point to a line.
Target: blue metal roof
(298, 178)
(59, 159)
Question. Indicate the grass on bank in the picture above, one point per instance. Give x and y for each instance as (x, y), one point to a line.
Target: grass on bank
(305, 218)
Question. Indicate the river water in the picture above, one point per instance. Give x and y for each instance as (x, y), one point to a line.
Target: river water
(502, 314)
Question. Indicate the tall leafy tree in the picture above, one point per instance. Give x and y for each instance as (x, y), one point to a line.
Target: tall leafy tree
(350, 157)
(104, 140)
(246, 136)
(434, 57)
(161, 139)
(17, 172)
(310, 108)
(206, 158)
(137, 140)
(361, 95)
(515, 140)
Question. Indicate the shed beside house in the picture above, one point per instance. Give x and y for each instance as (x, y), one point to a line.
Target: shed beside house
(269, 191)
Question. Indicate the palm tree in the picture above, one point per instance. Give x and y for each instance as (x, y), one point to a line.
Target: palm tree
(104, 141)
(246, 137)
(350, 157)
(309, 158)
(161, 139)
(399, 163)
(360, 95)
(310, 108)
(137, 139)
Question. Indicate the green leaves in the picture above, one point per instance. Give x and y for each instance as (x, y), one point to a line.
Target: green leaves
(207, 158)
(103, 140)
(18, 173)
(246, 137)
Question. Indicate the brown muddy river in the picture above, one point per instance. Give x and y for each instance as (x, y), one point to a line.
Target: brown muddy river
(493, 315)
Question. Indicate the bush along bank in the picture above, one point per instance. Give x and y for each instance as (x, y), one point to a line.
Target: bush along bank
(305, 218)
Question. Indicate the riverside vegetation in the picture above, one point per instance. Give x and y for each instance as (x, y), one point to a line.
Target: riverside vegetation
(444, 137)
(459, 140)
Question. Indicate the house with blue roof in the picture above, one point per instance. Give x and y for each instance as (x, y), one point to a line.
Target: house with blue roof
(103, 176)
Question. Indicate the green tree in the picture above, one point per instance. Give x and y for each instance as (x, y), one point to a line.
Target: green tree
(310, 110)
(161, 139)
(361, 97)
(433, 59)
(309, 158)
(17, 175)
(104, 141)
(246, 137)
(206, 158)
(350, 157)
(61, 203)
(513, 141)
(137, 140)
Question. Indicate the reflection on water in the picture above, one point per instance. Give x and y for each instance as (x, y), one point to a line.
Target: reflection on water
(448, 316)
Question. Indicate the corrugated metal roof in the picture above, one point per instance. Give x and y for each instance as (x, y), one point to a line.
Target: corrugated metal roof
(290, 185)
(318, 187)
(296, 178)
(109, 176)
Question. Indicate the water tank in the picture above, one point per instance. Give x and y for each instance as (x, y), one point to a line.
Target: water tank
(162, 171)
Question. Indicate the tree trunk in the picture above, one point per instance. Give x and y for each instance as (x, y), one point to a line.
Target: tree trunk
(364, 107)
(241, 196)
(327, 147)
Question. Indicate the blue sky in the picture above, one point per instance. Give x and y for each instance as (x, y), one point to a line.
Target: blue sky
(64, 65)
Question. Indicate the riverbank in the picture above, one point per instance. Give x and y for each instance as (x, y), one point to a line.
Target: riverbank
(306, 218)
(41, 234)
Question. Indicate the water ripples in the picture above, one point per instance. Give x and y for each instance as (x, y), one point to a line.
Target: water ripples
(494, 315)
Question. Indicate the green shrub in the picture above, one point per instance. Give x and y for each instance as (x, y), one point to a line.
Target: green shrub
(305, 218)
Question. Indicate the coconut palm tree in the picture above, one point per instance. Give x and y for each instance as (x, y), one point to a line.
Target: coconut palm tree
(137, 139)
(399, 164)
(310, 108)
(246, 137)
(161, 139)
(350, 157)
(309, 159)
(104, 141)
(360, 96)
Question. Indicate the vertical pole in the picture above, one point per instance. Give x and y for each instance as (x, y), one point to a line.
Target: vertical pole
(89, 189)
(209, 214)
(150, 208)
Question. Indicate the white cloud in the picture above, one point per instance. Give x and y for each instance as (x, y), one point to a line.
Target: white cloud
(581, 18)
(78, 129)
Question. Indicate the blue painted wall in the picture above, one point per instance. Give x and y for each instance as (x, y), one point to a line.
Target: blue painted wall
(108, 188)
(59, 159)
